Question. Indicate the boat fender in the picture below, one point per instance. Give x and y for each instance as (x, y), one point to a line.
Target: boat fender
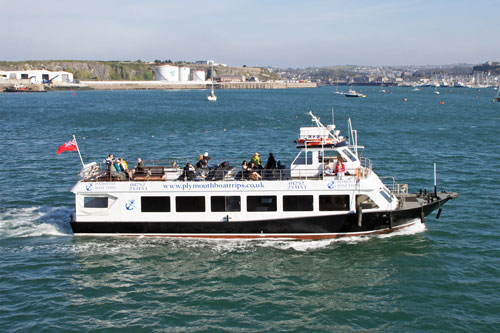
(390, 221)
(439, 213)
(422, 215)
(359, 216)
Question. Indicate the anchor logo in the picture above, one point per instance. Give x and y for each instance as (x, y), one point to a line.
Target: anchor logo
(331, 185)
(130, 205)
(89, 187)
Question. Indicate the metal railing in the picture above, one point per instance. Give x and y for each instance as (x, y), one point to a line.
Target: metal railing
(394, 187)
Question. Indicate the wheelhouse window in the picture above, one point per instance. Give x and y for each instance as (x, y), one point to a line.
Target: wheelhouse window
(349, 154)
(95, 202)
(333, 202)
(261, 203)
(155, 204)
(297, 203)
(386, 195)
(303, 159)
(190, 204)
(225, 203)
(365, 202)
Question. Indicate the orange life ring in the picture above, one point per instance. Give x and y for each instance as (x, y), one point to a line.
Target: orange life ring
(358, 173)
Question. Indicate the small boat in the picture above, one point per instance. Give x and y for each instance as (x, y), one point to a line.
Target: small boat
(353, 93)
(328, 191)
(497, 96)
(436, 92)
(22, 88)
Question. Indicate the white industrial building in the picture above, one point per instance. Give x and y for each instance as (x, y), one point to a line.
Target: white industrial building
(37, 76)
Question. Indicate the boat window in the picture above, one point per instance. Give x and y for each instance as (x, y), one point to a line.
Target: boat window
(155, 204)
(261, 203)
(349, 154)
(365, 202)
(301, 159)
(190, 204)
(225, 204)
(386, 196)
(333, 202)
(95, 202)
(297, 203)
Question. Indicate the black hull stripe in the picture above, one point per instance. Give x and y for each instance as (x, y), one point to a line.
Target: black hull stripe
(314, 227)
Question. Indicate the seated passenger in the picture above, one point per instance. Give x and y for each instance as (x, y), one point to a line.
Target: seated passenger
(115, 173)
(329, 167)
(252, 172)
(140, 166)
(189, 172)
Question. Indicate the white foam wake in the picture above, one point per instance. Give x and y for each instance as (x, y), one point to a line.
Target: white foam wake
(34, 222)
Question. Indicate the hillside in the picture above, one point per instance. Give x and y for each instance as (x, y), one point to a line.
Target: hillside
(122, 70)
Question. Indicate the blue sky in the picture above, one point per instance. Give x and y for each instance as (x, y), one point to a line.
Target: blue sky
(264, 33)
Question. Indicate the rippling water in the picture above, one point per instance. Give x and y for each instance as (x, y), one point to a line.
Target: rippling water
(444, 276)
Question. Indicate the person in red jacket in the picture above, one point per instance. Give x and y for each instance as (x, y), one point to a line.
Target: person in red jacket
(340, 168)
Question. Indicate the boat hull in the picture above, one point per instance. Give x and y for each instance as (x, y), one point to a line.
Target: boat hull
(313, 227)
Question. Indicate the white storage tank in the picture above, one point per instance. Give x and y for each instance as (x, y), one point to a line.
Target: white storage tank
(167, 73)
(198, 75)
(184, 74)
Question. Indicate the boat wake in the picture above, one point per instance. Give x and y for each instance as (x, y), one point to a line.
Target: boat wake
(35, 222)
(303, 246)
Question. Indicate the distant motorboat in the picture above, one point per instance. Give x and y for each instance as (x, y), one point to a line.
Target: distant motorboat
(497, 97)
(416, 89)
(353, 93)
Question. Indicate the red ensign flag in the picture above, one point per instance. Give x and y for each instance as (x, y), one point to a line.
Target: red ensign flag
(68, 146)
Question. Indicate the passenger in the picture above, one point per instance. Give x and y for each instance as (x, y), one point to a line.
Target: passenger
(140, 165)
(252, 172)
(115, 171)
(205, 161)
(199, 164)
(271, 162)
(189, 172)
(124, 167)
(109, 162)
(329, 167)
(256, 160)
(340, 168)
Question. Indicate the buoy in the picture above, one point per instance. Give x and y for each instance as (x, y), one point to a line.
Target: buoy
(405, 99)
(74, 94)
(441, 102)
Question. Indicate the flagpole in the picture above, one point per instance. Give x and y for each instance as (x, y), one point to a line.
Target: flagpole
(77, 149)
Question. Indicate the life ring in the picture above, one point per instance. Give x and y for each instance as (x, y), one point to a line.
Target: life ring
(358, 173)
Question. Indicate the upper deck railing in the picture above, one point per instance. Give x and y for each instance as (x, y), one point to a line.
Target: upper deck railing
(171, 171)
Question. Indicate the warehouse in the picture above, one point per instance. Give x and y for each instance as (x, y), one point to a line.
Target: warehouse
(37, 76)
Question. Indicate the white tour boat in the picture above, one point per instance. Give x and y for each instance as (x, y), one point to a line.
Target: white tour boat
(308, 200)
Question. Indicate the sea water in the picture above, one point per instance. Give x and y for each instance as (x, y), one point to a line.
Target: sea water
(441, 276)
